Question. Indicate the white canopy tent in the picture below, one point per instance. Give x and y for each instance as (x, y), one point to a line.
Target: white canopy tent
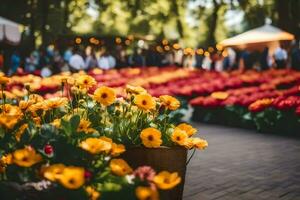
(10, 31)
(258, 38)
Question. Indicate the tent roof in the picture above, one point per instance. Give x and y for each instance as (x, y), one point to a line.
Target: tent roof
(10, 31)
(263, 34)
(4, 21)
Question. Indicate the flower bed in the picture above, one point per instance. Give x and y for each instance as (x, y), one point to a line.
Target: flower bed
(230, 92)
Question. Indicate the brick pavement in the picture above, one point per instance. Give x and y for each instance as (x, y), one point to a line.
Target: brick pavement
(244, 165)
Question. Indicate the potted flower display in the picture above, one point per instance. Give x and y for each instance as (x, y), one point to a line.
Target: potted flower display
(69, 147)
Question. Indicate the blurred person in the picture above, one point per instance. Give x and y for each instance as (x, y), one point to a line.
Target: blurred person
(57, 61)
(30, 63)
(136, 59)
(106, 61)
(68, 54)
(265, 60)
(189, 61)
(43, 59)
(246, 60)
(76, 61)
(91, 60)
(280, 57)
(15, 62)
(121, 57)
(295, 57)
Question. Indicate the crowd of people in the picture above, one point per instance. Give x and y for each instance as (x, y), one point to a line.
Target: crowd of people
(51, 60)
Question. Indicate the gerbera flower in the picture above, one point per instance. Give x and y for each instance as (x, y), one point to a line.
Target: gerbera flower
(92, 193)
(135, 90)
(52, 172)
(4, 80)
(146, 193)
(26, 157)
(145, 101)
(84, 126)
(166, 180)
(117, 149)
(219, 95)
(179, 137)
(105, 95)
(72, 177)
(20, 132)
(169, 102)
(95, 145)
(151, 137)
(187, 128)
(85, 81)
(55, 102)
(120, 167)
(199, 143)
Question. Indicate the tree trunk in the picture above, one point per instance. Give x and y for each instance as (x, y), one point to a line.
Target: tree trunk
(282, 7)
(45, 12)
(32, 23)
(211, 40)
(66, 16)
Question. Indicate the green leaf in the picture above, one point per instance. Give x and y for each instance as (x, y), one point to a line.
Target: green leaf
(74, 122)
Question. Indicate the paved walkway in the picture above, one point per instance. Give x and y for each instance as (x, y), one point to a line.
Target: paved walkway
(244, 165)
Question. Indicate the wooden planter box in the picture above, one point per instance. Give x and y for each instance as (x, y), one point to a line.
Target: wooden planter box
(170, 159)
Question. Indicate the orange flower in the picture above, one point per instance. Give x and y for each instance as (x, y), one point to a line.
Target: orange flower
(187, 128)
(105, 95)
(169, 102)
(145, 102)
(179, 137)
(26, 157)
(219, 95)
(95, 145)
(151, 137)
(120, 167)
(166, 180)
(199, 143)
(146, 193)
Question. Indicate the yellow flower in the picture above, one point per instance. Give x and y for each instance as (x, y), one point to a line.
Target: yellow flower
(146, 193)
(85, 81)
(151, 137)
(219, 95)
(120, 167)
(56, 123)
(105, 95)
(145, 101)
(10, 116)
(187, 128)
(92, 193)
(24, 105)
(169, 102)
(179, 137)
(26, 157)
(55, 102)
(7, 159)
(199, 143)
(35, 98)
(53, 172)
(20, 132)
(72, 177)
(135, 90)
(166, 180)
(95, 145)
(117, 149)
(84, 126)
(4, 80)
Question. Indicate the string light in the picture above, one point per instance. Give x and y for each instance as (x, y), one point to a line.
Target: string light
(118, 40)
(176, 46)
(206, 54)
(159, 49)
(165, 42)
(78, 40)
(210, 49)
(200, 51)
(127, 42)
(167, 48)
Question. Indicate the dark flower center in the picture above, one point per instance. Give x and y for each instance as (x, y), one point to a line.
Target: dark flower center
(150, 138)
(144, 102)
(104, 95)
